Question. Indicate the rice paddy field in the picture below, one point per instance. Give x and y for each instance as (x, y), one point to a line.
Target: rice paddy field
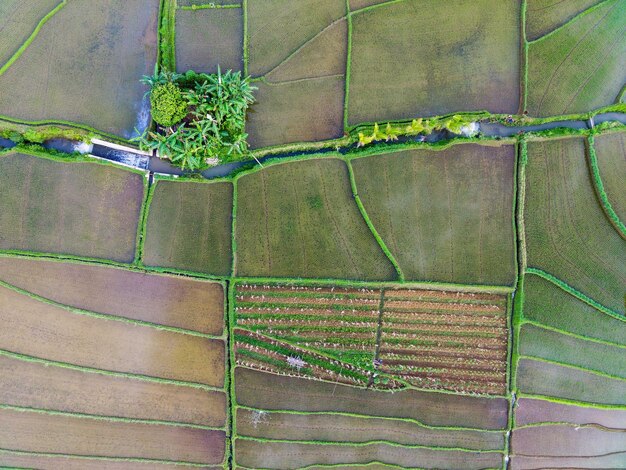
(439, 301)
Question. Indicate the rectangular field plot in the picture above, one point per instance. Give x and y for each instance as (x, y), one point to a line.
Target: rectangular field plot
(445, 215)
(544, 16)
(82, 209)
(611, 154)
(445, 340)
(286, 422)
(412, 58)
(567, 232)
(189, 227)
(579, 67)
(84, 66)
(164, 300)
(206, 38)
(300, 220)
(39, 432)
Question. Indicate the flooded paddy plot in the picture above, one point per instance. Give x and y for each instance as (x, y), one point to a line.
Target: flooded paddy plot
(413, 58)
(206, 38)
(189, 227)
(445, 215)
(567, 232)
(82, 209)
(611, 154)
(300, 220)
(165, 300)
(85, 66)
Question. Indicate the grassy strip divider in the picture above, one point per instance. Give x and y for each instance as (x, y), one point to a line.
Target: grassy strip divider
(570, 290)
(113, 419)
(104, 458)
(567, 401)
(166, 56)
(233, 231)
(246, 55)
(596, 178)
(372, 417)
(106, 316)
(368, 443)
(346, 93)
(230, 383)
(377, 5)
(523, 57)
(32, 36)
(125, 375)
(74, 125)
(573, 335)
(209, 6)
(228, 380)
(370, 224)
(571, 366)
(143, 217)
(571, 20)
(471, 288)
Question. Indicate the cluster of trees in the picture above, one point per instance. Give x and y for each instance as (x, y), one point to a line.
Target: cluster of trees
(454, 124)
(200, 117)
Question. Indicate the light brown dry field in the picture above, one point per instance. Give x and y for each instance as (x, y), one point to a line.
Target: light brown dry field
(17, 459)
(39, 432)
(36, 385)
(286, 455)
(531, 411)
(41, 330)
(189, 227)
(344, 428)
(165, 300)
(84, 66)
(89, 210)
(208, 38)
(272, 392)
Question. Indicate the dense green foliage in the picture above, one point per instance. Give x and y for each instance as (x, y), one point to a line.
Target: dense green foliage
(168, 104)
(214, 116)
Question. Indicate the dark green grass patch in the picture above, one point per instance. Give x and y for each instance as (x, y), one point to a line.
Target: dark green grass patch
(277, 28)
(296, 111)
(543, 16)
(553, 346)
(611, 154)
(300, 220)
(207, 38)
(85, 66)
(428, 57)
(189, 227)
(567, 233)
(542, 378)
(18, 20)
(549, 305)
(445, 215)
(82, 209)
(579, 67)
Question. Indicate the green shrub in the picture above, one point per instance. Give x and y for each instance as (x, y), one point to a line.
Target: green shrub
(169, 107)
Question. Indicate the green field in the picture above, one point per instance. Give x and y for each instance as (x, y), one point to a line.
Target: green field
(207, 38)
(579, 67)
(611, 154)
(300, 220)
(445, 215)
(85, 66)
(83, 209)
(543, 16)
(567, 233)
(411, 59)
(189, 227)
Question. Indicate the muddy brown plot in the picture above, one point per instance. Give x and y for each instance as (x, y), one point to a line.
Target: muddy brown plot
(166, 300)
(530, 410)
(38, 329)
(38, 432)
(35, 385)
(519, 462)
(272, 392)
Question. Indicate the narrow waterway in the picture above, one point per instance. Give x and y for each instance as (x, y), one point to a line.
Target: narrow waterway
(156, 165)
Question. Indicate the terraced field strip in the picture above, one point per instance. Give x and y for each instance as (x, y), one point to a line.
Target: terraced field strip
(445, 340)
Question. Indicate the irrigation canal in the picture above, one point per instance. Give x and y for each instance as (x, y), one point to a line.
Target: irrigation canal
(145, 161)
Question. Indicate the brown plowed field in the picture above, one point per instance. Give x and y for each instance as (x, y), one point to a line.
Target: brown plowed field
(441, 318)
(410, 305)
(39, 432)
(306, 311)
(36, 385)
(409, 350)
(166, 300)
(38, 329)
(440, 294)
(307, 300)
(338, 291)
